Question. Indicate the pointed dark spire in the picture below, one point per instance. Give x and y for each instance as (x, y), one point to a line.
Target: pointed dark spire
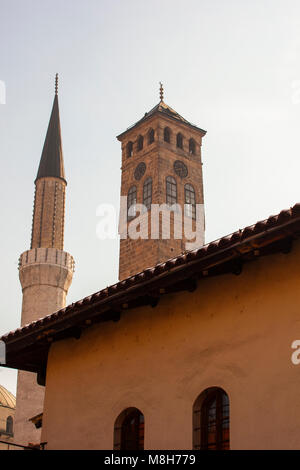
(52, 162)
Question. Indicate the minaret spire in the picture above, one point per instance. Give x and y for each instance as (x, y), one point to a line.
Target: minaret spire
(52, 162)
(49, 205)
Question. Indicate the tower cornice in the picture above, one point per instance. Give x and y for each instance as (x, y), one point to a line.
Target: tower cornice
(166, 112)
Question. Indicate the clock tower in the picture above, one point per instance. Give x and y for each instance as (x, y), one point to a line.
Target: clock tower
(161, 169)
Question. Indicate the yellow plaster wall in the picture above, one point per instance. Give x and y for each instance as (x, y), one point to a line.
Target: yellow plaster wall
(234, 332)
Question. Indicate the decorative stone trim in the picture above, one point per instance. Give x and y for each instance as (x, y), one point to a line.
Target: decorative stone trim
(46, 256)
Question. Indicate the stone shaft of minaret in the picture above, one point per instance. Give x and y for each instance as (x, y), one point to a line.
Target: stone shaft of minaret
(45, 270)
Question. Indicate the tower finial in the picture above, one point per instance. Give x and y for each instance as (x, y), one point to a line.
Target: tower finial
(161, 92)
(56, 84)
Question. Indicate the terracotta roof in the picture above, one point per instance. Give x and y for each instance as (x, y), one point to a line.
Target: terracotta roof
(166, 110)
(257, 237)
(52, 162)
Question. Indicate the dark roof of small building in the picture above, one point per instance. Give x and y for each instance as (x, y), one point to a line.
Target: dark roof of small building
(52, 162)
(165, 110)
(37, 420)
(27, 347)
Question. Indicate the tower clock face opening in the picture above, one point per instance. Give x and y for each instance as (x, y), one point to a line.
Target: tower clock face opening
(140, 171)
(180, 169)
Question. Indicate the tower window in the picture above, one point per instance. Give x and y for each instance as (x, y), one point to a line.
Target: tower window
(140, 142)
(192, 147)
(129, 430)
(131, 203)
(171, 190)
(167, 135)
(147, 193)
(9, 425)
(151, 136)
(129, 149)
(179, 140)
(189, 201)
(211, 420)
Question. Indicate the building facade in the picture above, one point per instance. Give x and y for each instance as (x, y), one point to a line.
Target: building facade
(232, 334)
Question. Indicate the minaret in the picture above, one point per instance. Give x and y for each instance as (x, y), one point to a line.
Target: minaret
(161, 165)
(45, 270)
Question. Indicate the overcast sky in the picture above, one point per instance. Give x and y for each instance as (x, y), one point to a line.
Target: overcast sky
(231, 67)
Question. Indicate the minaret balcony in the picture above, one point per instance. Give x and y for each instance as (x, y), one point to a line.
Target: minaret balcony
(47, 256)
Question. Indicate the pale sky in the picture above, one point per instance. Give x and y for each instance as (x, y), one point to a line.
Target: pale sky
(230, 67)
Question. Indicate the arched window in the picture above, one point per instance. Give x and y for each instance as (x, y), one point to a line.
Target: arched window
(171, 190)
(189, 201)
(131, 203)
(9, 425)
(179, 140)
(140, 142)
(167, 135)
(129, 149)
(129, 430)
(151, 136)
(192, 147)
(147, 193)
(211, 420)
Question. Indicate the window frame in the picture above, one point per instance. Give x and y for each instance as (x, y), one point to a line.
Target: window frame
(136, 436)
(217, 396)
(167, 135)
(131, 201)
(192, 146)
(179, 141)
(189, 207)
(151, 136)
(171, 190)
(140, 143)
(9, 425)
(129, 149)
(219, 438)
(147, 193)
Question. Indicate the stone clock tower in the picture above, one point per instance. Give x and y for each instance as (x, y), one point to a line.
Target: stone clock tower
(161, 164)
(45, 270)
